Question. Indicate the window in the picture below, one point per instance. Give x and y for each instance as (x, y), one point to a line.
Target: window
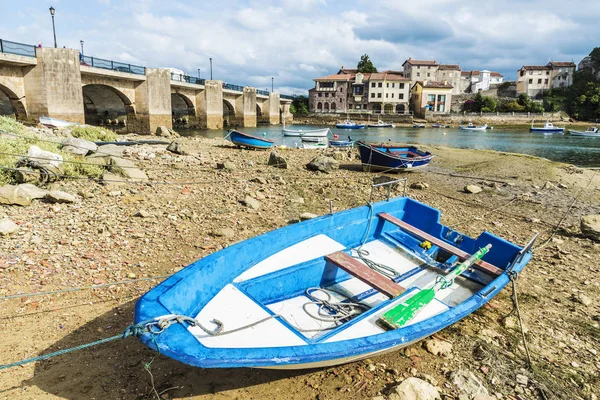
(332, 94)
(326, 94)
(326, 84)
(429, 67)
(401, 96)
(380, 84)
(530, 72)
(393, 84)
(378, 95)
(547, 72)
(418, 67)
(539, 81)
(372, 84)
(372, 95)
(546, 81)
(418, 74)
(387, 85)
(402, 86)
(392, 95)
(341, 90)
(358, 90)
(320, 94)
(428, 74)
(530, 81)
(387, 95)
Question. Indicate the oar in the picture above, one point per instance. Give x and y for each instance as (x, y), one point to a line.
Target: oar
(404, 312)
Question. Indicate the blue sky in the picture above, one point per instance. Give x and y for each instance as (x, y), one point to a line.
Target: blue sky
(295, 41)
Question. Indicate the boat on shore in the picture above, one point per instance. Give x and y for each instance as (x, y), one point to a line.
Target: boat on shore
(306, 301)
(548, 128)
(321, 132)
(349, 125)
(381, 124)
(472, 127)
(249, 141)
(55, 123)
(592, 131)
(383, 157)
(418, 125)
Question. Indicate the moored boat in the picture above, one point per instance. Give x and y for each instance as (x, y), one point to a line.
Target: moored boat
(305, 301)
(341, 143)
(382, 157)
(547, 128)
(55, 123)
(472, 127)
(380, 124)
(439, 126)
(350, 125)
(322, 132)
(249, 141)
(591, 131)
(418, 125)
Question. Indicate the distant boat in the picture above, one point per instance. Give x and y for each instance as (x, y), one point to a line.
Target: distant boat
(341, 143)
(592, 131)
(55, 123)
(440, 126)
(252, 142)
(350, 125)
(322, 132)
(547, 128)
(313, 139)
(471, 127)
(312, 145)
(388, 158)
(416, 125)
(381, 124)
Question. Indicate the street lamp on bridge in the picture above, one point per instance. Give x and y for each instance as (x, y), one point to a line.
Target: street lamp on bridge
(53, 28)
(81, 43)
(198, 73)
(210, 68)
(272, 84)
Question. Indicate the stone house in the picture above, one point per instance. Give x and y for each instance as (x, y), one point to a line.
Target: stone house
(431, 97)
(449, 73)
(534, 79)
(418, 70)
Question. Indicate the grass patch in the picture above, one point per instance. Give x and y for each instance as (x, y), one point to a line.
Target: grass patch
(20, 146)
(93, 133)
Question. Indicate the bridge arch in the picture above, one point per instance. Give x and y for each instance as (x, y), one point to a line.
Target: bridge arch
(228, 112)
(182, 106)
(258, 111)
(10, 104)
(106, 105)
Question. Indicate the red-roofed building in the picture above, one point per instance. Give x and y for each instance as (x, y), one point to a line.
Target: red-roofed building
(534, 79)
(431, 97)
(474, 81)
(418, 70)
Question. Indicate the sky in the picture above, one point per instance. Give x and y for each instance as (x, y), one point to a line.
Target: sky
(295, 41)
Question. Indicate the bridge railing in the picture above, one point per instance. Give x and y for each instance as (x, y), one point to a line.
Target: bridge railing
(112, 65)
(263, 92)
(20, 49)
(231, 86)
(186, 78)
(286, 96)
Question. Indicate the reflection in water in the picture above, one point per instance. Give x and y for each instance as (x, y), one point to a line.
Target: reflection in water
(581, 151)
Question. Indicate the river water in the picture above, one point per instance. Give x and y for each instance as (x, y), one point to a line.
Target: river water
(577, 150)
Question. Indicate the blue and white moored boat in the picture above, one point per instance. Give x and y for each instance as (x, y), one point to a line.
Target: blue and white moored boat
(381, 124)
(350, 125)
(547, 128)
(303, 297)
(249, 141)
(391, 158)
(341, 143)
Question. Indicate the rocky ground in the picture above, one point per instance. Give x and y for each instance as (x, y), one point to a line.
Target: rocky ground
(195, 204)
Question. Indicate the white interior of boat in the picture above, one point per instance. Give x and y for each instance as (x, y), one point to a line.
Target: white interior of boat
(236, 309)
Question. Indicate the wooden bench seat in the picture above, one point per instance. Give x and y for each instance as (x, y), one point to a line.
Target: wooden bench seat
(365, 274)
(481, 265)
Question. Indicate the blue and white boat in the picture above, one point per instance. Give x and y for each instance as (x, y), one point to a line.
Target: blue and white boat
(591, 131)
(341, 143)
(301, 297)
(547, 128)
(391, 158)
(381, 124)
(249, 141)
(350, 125)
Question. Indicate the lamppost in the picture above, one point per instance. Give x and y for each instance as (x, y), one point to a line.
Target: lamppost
(198, 73)
(81, 43)
(272, 84)
(53, 28)
(210, 68)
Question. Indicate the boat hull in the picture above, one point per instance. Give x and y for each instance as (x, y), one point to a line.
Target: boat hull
(341, 143)
(380, 125)
(389, 158)
(584, 133)
(55, 123)
(306, 133)
(472, 128)
(545, 130)
(354, 126)
(249, 141)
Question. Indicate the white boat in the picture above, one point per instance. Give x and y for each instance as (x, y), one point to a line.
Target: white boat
(380, 124)
(306, 132)
(547, 128)
(55, 123)
(592, 131)
(472, 127)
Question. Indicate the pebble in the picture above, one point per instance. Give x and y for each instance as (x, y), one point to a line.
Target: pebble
(474, 189)
(522, 379)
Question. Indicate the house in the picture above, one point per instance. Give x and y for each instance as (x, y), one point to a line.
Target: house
(418, 70)
(389, 92)
(431, 97)
(450, 73)
(330, 93)
(534, 79)
(474, 81)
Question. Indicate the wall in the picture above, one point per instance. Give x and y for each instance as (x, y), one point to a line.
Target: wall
(210, 104)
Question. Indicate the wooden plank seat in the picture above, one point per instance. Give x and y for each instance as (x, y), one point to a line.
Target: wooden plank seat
(481, 265)
(365, 274)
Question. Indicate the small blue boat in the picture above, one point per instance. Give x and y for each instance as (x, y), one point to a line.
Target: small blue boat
(389, 158)
(252, 142)
(350, 125)
(341, 143)
(548, 128)
(298, 297)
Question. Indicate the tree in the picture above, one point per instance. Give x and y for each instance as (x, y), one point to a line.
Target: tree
(365, 65)
(299, 106)
(595, 56)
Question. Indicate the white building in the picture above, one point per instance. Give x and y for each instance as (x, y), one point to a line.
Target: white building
(474, 81)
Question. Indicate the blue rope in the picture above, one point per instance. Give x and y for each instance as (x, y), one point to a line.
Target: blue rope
(132, 330)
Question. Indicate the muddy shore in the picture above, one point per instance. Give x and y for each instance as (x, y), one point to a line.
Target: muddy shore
(190, 208)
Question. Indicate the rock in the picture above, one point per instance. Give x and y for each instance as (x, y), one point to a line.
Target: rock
(26, 175)
(419, 185)
(549, 185)
(522, 379)
(298, 200)
(10, 194)
(112, 180)
(177, 147)
(339, 156)
(227, 165)
(467, 383)
(485, 397)
(590, 226)
(163, 131)
(79, 146)
(142, 214)
(307, 215)
(438, 347)
(43, 157)
(108, 150)
(323, 164)
(259, 179)
(224, 232)
(415, 389)
(115, 193)
(562, 186)
(7, 226)
(251, 203)
(85, 194)
(127, 169)
(581, 299)
(275, 160)
(57, 196)
(533, 220)
(33, 191)
(472, 189)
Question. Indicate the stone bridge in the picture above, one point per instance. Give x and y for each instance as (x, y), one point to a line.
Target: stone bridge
(56, 83)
